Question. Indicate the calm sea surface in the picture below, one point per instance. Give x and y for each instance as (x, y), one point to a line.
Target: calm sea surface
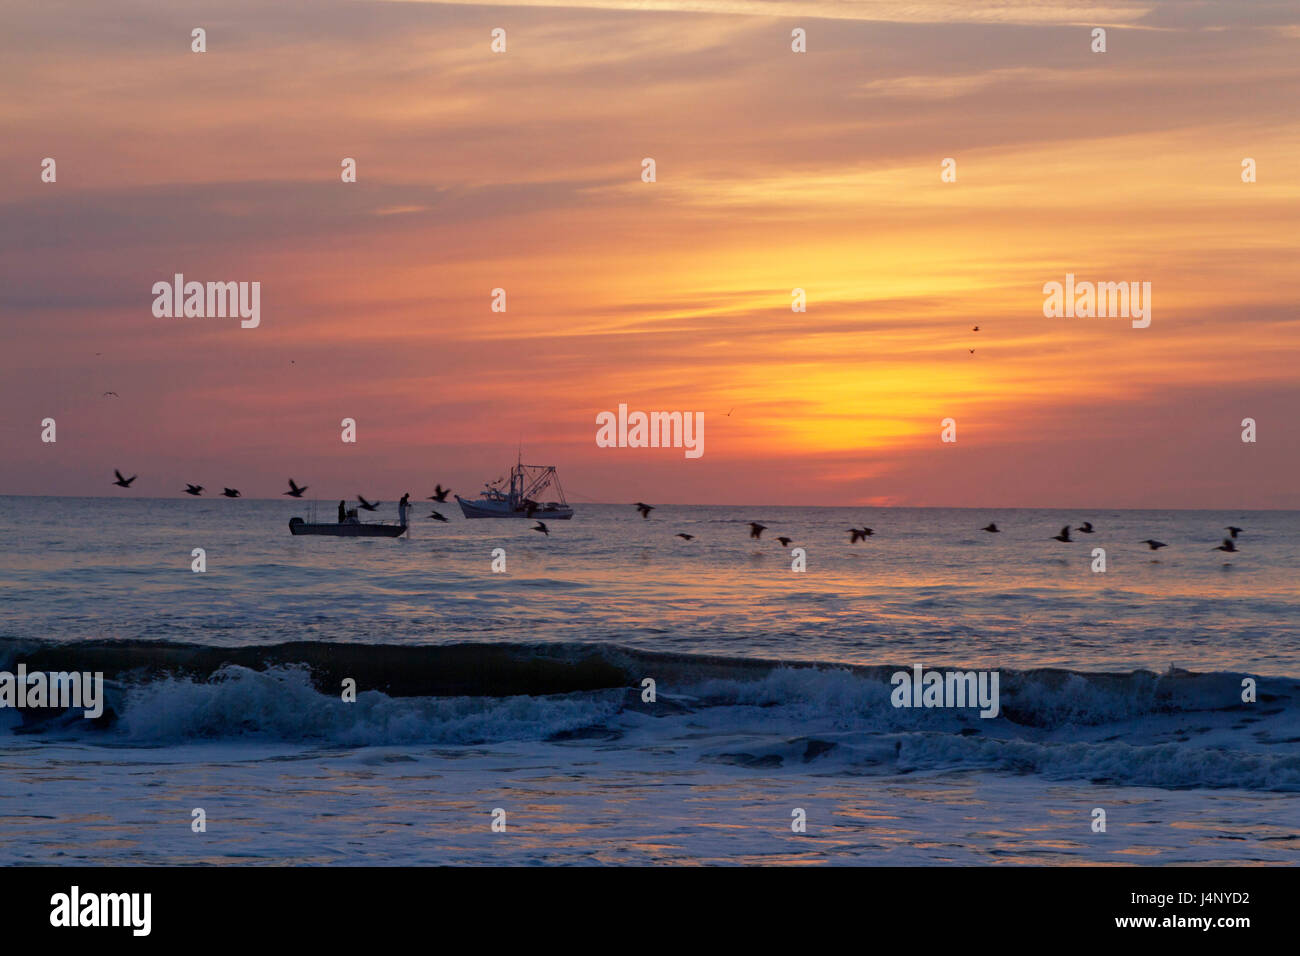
(928, 586)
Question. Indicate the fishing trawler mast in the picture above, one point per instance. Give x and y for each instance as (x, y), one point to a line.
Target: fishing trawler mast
(523, 497)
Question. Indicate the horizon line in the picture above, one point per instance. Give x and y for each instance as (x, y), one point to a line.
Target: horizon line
(622, 504)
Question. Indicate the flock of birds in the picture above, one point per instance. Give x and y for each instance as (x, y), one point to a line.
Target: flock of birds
(1228, 545)
(861, 534)
(295, 491)
(755, 528)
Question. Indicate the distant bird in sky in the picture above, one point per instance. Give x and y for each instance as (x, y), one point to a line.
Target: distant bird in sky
(644, 508)
(785, 542)
(991, 527)
(294, 491)
(1154, 545)
(1234, 531)
(113, 394)
(685, 537)
(728, 415)
(972, 351)
(439, 493)
(1086, 527)
(369, 506)
(856, 535)
(1064, 535)
(1226, 546)
(231, 492)
(194, 490)
(868, 532)
(123, 482)
(756, 530)
(437, 517)
(976, 329)
(541, 526)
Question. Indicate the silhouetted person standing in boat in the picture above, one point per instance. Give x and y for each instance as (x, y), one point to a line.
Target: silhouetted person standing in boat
(343, 512)
(401, 508)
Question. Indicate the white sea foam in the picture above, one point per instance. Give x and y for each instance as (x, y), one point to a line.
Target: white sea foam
(1171, 730)
(281, 704)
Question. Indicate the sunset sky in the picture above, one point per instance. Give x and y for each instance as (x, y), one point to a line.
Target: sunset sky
(775, 170)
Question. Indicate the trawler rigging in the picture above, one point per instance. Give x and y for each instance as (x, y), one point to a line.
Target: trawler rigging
(524, 497)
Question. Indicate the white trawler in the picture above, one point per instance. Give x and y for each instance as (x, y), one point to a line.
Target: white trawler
(523, 499)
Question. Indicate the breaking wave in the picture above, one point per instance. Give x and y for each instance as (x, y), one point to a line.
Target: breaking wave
(1177, 729)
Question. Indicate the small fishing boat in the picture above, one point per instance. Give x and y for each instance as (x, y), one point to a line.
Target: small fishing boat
(529, 484)
(347, 529)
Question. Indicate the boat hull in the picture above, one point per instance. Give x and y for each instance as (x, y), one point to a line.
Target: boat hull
(347, 529)
(494, 509)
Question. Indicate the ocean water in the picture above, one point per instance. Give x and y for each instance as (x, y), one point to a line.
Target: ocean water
(522, 690)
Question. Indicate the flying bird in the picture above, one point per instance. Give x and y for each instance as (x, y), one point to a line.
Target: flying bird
(194, 490)
(1154, 545)
(972, 351)
(1086, 527)
(368, 505)
(991, 527)
(1064, 535)
(785, 542)
(231, 492)
(644, 508)
(439, 493)
(1226, 546)
(294, 491)
(437, 517)
(976, 329)
(756, 529)
(856, 535)
(541, 526)
(685, 537)
(123, 482)
(107, 394)
(1233, 531)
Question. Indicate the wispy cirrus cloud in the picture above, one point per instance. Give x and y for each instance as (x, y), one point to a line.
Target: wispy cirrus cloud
(776, 171)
